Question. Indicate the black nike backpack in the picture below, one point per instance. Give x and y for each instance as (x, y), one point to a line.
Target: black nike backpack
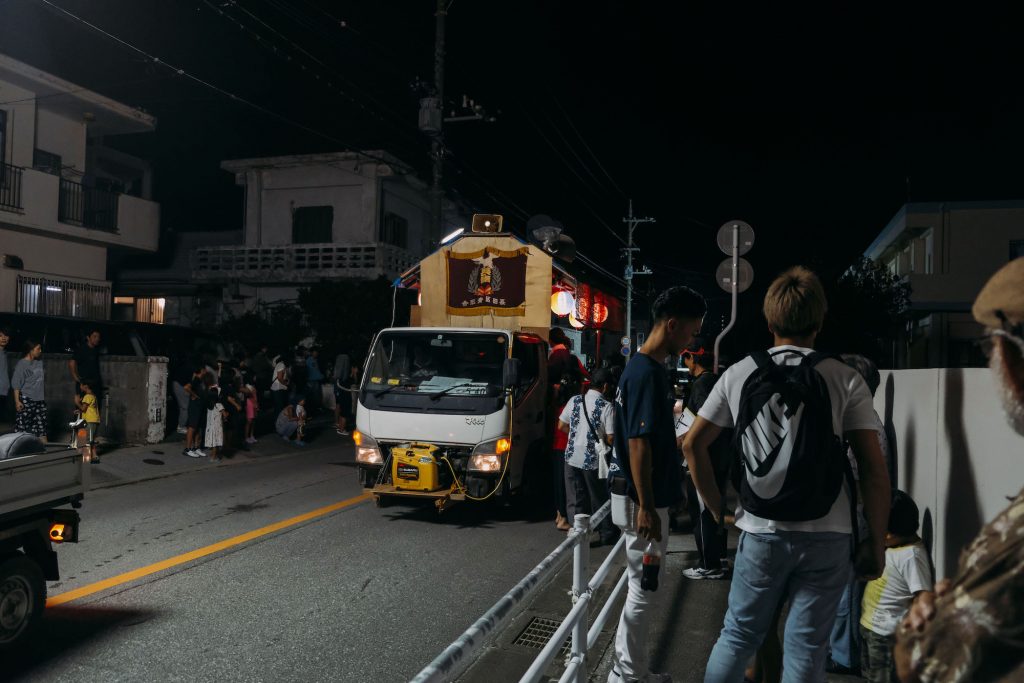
(790, 464)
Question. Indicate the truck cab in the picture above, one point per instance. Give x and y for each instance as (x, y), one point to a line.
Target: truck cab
(471, 400)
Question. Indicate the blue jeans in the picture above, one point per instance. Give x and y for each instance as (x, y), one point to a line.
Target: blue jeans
(809, 569)
(845, 639)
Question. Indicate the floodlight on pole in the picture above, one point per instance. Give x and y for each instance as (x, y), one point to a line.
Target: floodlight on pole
(452, 235)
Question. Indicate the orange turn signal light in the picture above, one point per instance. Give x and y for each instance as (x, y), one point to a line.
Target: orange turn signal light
(503, 446)
(57, 533)
(357, 437)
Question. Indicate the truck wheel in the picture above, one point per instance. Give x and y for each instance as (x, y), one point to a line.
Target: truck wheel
(22, 599)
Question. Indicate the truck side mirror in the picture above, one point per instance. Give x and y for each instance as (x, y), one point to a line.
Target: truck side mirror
(510, 373)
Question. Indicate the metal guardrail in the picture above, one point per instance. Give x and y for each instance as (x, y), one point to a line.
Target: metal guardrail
(89, 207)
(10, 187)
(242, 261)
(457, 657)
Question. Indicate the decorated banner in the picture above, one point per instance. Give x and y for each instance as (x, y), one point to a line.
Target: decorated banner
(489, 281)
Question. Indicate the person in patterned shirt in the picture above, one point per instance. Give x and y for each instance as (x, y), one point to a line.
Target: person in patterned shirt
(972, 628)
(589, 421)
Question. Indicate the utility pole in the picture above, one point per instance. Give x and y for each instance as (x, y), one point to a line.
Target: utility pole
(432, 120)
(631, 221)
(437, 143)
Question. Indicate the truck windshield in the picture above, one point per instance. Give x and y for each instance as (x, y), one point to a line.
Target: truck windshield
(436, 364)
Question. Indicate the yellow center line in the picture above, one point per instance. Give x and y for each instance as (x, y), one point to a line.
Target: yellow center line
(135, 574)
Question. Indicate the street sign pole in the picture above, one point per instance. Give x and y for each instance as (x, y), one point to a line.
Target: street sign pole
(735, 290)
(734, 275)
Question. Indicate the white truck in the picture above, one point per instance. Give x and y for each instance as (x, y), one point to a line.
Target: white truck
(36, 481)
(451, 414)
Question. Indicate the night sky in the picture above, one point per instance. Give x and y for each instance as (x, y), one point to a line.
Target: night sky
(814, 126)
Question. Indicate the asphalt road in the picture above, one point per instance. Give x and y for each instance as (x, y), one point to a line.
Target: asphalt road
(359, 593)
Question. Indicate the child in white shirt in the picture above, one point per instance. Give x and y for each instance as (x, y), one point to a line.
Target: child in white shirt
(887, 599)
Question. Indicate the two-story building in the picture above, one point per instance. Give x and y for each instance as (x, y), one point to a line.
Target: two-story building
(66, 198)
(947, 251)
(307, 218)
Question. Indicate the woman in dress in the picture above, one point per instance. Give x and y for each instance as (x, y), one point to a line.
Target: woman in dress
(214, 417)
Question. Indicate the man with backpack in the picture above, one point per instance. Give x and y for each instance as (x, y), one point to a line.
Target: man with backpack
(646, 472)
(791, 409)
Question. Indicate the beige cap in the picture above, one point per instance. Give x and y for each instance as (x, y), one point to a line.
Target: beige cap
(1002, 298)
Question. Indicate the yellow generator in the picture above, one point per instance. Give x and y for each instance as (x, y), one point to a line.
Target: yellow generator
(414, 467)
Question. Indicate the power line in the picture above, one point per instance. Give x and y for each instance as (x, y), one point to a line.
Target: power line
(570, 147)
(587, 147)
(333, 72)
(568, 165)
(206, 84)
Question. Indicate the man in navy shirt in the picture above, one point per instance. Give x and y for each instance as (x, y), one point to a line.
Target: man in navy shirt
(647, 461)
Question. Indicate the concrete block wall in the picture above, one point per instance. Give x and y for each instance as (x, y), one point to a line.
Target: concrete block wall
(136, 411)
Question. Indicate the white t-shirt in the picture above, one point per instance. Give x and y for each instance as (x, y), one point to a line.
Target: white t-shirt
(887, 598)
(277, 386)
(581, 450)
(852, 409)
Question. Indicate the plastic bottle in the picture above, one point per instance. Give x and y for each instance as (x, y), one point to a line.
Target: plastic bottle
(652, 563)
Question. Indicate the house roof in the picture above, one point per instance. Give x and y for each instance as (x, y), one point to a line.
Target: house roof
(105, 116)
(323, 159)
(898, 223)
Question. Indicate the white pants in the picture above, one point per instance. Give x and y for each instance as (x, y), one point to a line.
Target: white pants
(631, 658)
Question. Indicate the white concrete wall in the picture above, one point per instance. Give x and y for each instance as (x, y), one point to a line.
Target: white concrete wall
(414, 206)
(54, 255)
(956, 455)
(21, 123)
(272, 195)
(59, 134)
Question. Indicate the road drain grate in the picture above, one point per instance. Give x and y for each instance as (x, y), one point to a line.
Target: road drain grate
(537, 634)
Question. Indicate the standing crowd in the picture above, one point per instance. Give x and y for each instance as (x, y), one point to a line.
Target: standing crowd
(828, 546)
(218, 401)
(218, 407)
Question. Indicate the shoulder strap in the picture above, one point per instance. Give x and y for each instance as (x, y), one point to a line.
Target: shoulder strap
(812, 360)
(590, 425)
(762, 358)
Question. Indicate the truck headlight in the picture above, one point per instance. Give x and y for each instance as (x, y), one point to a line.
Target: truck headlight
(489, 456)
(367, 450)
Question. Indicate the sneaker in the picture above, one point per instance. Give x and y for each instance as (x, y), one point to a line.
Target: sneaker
(95, 460)
(250, 440)
(343, 432)
(300, 443)
(699, 573)
(199, 453)
(187, 452)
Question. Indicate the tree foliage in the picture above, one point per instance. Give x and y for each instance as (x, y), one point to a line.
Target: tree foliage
(280, 327)
(345, 314)
(866, 304)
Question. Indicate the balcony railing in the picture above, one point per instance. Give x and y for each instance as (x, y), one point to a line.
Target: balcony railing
(89, 207)
(299, 262)
(10, 188)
